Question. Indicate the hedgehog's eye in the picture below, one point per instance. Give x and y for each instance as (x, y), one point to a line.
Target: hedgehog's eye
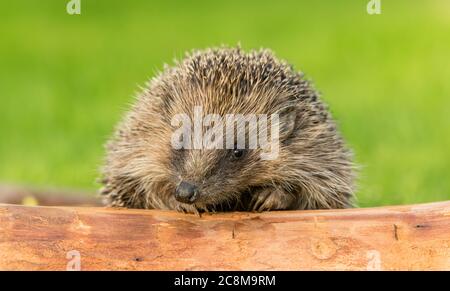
(238, 153)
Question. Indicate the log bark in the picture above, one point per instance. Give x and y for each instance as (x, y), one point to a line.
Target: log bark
(415, 237)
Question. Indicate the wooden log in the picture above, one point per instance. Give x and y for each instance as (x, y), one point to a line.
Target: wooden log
(413, 237)
(11, 194)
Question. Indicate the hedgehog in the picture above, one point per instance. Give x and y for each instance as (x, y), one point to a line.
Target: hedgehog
(144, 168)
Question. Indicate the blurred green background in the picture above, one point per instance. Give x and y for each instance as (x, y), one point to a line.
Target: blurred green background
(66, 79)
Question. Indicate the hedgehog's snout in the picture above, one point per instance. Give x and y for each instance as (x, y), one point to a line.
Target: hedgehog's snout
(186, 192)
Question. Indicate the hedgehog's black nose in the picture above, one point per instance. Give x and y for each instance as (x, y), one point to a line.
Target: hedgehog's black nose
(186, 192)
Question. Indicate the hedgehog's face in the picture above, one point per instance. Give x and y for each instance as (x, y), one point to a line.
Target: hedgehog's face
(214, 176)
(211, 177)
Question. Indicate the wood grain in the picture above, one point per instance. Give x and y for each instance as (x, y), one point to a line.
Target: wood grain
(415, 237)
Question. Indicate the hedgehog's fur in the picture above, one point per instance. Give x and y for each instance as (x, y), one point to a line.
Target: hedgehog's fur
(314, 168)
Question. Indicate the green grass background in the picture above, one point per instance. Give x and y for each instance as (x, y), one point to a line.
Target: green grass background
(65, 80)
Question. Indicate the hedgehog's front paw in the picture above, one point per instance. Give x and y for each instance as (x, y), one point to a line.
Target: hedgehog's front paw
(270, 199)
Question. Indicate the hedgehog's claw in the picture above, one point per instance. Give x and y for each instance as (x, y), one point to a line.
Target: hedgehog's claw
(270, 199)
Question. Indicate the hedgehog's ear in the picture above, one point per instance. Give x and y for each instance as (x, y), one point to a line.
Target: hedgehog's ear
(287, 117)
